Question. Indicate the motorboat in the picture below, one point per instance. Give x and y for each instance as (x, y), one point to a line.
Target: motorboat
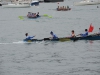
(34, 2)
(86, 2)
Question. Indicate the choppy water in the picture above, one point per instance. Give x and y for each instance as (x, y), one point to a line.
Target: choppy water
(48, 58)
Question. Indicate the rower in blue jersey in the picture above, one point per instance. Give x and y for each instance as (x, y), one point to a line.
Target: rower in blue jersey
(29, 37)
(85, 34)
(53, 35)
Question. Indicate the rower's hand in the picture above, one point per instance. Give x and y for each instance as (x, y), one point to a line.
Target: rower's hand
(50, 37)
(78, 35)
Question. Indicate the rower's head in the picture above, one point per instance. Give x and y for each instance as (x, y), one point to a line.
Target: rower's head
(72, 31)
(86, 30)
(51, 33)
(37, 12)
(26, 34)
(28, 12)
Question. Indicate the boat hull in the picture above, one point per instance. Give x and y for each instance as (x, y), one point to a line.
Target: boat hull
(34, 3)
(34, 17)
(91, 37)
(63, 9)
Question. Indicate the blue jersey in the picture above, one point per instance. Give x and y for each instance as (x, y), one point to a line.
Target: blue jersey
(29, 37)
(84, 35)
(54, 36)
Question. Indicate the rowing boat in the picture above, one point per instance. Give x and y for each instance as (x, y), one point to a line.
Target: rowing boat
(90, 37)
(33, 17)
(64, 9)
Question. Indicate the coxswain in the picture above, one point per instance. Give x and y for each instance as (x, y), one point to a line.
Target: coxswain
(37, 14)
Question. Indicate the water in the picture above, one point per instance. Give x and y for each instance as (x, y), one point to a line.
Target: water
(49, 58)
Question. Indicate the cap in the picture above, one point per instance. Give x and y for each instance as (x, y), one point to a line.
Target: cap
(51, 32)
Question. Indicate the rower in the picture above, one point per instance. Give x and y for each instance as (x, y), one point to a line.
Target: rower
(37, 14)
(99, 31)
(58, 8)
(73, 34)
(29, 37)
(53, 35)
(85, 34)
(29, 14)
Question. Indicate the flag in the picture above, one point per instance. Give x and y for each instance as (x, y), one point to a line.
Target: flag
(91, 28)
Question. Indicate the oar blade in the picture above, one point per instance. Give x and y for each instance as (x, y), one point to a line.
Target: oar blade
(50, 16)
(45, 15)
(21, 17)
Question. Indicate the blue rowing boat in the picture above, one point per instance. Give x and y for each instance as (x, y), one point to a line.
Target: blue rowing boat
(90, 37)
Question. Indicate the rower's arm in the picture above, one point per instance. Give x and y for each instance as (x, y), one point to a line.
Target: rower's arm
(83, 35)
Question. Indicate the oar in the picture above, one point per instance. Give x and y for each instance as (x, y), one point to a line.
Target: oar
(21, 17)
(47, 16)
(50, 16)
(45, 39)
